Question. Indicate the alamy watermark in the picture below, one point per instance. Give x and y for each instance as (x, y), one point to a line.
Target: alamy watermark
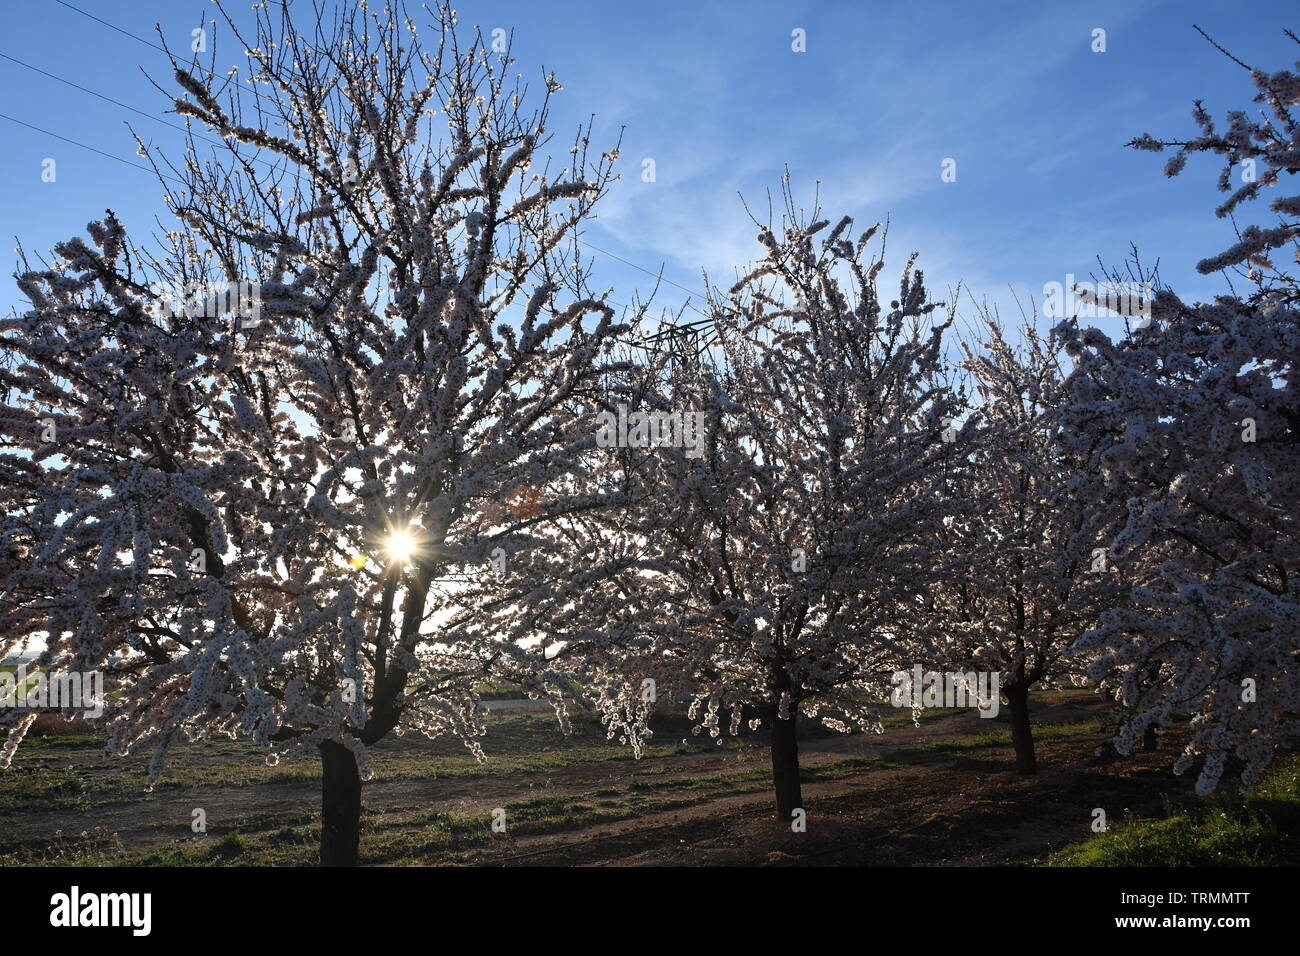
(1092, 300)
(652, 430)
(75, 909)
(75, 690)
(919, 688)
(242, 301)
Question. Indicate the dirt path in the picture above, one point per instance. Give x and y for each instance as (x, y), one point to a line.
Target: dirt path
(718, 803)
(165, 814)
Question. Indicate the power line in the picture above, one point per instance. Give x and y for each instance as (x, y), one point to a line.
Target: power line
(672, 332)
(215, 142)
(127, 162)
(657, 275)
(127, 106)
(688, 328)
(111, 26)
(594, 248)
(137, 37)
(93, 149)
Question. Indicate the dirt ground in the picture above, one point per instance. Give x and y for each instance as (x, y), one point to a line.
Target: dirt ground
(942, 793)
(934, 809)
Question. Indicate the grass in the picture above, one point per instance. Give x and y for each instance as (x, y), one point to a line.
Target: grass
(41, 775)
(396, 835)
(1261, 829)
(1043, 734)
(72, 773)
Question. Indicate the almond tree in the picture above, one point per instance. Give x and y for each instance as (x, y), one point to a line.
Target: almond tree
(249, 521)
(767, 573)
(1194, 426)
(1024, 575)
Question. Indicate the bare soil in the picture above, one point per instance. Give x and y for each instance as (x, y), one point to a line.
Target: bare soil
(941, 793)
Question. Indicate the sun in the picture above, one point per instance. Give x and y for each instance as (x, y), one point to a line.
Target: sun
(400, 546)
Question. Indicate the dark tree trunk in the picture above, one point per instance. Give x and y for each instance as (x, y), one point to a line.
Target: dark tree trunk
(340, 818)
(1149, 739)
(1022, 735)
(785, 766)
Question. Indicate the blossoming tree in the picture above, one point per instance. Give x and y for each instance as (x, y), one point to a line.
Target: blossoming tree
(248, 521)
(766, 573)
(1193, 425)
(1023, 577)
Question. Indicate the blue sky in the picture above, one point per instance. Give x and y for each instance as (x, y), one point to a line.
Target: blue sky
(715, 95)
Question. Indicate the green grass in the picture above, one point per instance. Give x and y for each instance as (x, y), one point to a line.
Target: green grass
(1262, 829)
(891, 716)
(1043, 734)
(55, 773)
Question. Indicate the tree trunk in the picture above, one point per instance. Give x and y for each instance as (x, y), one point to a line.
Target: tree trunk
(785, 766)
(1149, 739)
(340, 817)
(1022, 735)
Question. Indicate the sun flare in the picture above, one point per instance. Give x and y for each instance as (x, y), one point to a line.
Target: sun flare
(400, 546)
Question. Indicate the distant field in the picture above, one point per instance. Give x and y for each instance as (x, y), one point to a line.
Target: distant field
(940, 793)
